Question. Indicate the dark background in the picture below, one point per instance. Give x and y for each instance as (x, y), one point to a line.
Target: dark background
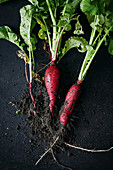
(94, 122)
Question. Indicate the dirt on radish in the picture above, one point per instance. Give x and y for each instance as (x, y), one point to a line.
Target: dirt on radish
(43, 126)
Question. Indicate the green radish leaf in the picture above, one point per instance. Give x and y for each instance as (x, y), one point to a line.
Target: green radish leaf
(26, 26)
(42, 34)
(78, 42)
(93, 7)
(110, 48)
(8, 34)
(38, 18)
(72, 6)
(74, 42)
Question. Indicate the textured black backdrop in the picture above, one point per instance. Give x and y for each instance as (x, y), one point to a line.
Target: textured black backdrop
(94, 125)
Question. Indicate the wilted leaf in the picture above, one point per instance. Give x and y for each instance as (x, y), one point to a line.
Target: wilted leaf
(78, 27)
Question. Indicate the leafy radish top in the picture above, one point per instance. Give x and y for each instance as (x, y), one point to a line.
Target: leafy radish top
(55, 19)
(100, 17)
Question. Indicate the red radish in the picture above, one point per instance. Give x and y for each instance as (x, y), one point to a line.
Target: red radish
(71, 98)
(52, 75)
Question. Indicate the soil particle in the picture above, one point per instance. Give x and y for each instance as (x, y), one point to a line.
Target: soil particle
(17, 127)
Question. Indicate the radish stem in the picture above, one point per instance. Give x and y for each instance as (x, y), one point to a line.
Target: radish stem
(93, 30)
(88, 59)
(31, 63)
(97, 48)
(54, 30)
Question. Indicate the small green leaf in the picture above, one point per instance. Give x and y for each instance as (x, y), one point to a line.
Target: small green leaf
(38, 18)
(78, 28)
(62, 23)
(42, 34)
(68, 27)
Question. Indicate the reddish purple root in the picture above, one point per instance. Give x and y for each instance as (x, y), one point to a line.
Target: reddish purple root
(71, 98)
(52, 75)
(32, 96)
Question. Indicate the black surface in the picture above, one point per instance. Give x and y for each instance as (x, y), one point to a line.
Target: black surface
(94, 123)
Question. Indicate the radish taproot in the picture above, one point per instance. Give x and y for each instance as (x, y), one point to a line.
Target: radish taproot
(70, 100)
(52, 75)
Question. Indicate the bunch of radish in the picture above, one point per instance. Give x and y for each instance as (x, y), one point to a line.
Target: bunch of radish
(55, 18)
(100, 33)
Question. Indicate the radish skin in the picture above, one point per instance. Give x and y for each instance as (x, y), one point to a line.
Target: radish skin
(70, 100)
(52, 75)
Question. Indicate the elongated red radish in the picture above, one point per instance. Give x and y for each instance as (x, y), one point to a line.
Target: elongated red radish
(52, 75)
(70, 100)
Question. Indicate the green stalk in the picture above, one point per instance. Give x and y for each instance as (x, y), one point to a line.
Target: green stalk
(30, 66)
(82, 68)
(54, 30)
(93, 30)
(82, 75)
(31, 74)
(64, 10)
(96, 39)
(63, 13)
(58, 40)
(90, 43)
(48, 35)
(33, 63)
(51, 13)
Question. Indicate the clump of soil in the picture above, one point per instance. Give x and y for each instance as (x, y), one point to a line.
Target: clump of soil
(43, 125)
